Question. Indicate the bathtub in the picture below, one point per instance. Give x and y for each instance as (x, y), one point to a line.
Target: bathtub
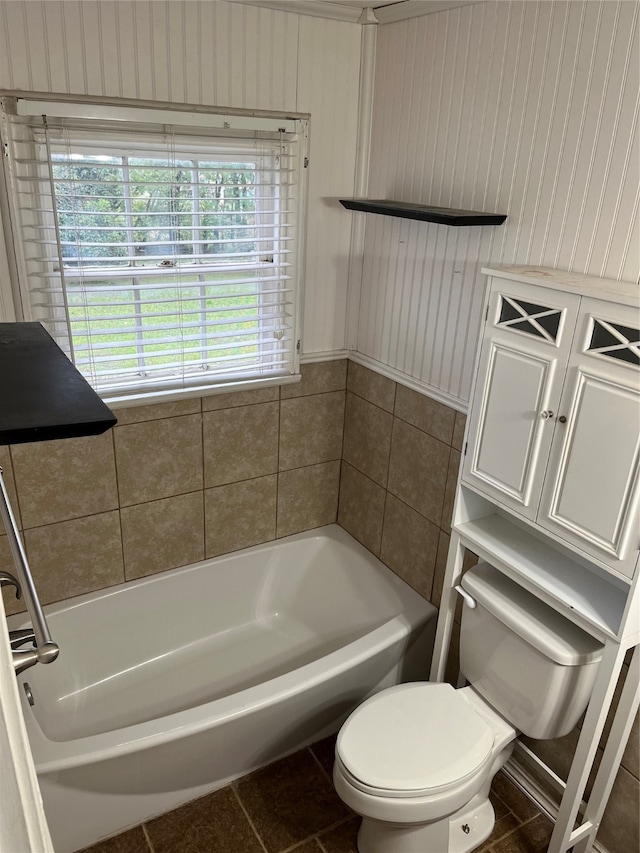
(169, 687)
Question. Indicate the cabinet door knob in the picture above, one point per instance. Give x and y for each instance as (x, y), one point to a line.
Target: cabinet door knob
(562, 419)
(546, 414)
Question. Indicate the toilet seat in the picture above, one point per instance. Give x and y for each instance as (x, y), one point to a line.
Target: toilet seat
(413, 740)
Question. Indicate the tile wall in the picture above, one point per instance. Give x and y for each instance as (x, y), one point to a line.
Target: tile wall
(399, 467)
(178, 482)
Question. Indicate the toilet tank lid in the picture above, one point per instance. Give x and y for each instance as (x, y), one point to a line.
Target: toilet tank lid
(530, 618)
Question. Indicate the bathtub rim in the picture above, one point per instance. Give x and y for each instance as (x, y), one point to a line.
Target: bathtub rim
(55, 756)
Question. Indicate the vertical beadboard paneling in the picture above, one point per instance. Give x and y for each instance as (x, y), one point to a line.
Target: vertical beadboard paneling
(138, 64)
(54, 25)
(89, 15)
(525, 108)
(159, 55)
(128, 45)
(175, 51)
(110, 48)
(224, 54)
(6, 52)
(334, 47)
(37, 45)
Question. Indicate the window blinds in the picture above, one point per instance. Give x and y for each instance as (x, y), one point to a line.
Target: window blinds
(160, 256)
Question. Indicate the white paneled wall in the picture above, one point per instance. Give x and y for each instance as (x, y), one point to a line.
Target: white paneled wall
(329, 50)
(525, 108)
(222, 54)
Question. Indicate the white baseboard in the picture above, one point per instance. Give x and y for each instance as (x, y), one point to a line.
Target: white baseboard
(329, 355)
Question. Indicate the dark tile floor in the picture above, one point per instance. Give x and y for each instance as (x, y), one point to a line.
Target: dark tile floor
(291, 806)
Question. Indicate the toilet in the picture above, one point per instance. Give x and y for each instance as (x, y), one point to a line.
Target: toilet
(416, 761)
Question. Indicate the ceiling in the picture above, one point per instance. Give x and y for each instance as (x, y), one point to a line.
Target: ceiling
(365, 11)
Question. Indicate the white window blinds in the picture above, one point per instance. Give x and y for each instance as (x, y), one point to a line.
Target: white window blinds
(160, 256)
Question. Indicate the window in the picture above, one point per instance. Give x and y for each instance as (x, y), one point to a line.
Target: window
(160, 256)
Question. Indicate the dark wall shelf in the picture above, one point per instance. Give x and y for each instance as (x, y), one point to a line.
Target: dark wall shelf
(42, 394)
(423, 212)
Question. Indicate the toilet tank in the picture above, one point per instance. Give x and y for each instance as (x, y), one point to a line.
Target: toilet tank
(526, 660)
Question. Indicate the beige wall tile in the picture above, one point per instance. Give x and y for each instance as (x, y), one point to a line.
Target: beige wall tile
(240, 443)
(452, 669)
(11, 603)
(158, 411)
(418, 470)
(158, 459)
(318, 378)
(450, 489)
(311, 429)
(441, 565)
(59, 480)
(239, 515)
(73, 557)
(409, 545)
(458, 430)
(556, 753)
(9, 481)
(367, 438)
(162, 534)
(307, 497)
(426, 414)
(631, 757)
(361, 507)
(372, 386)
(215, 402)
(620, 828)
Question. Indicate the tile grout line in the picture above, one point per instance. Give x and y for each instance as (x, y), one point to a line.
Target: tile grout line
(204, 483)
(504, 834)
(116, 509)
(318, 762)
(400, 500)
(315, 837)
(278, 472)
(14, 477)
(145, 832)
(235, 793)
(394, 414)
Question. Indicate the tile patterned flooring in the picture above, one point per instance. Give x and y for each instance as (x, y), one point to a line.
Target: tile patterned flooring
(291, 806)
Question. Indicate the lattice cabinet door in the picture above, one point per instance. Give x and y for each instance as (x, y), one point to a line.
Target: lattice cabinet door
(524, 354)
(592, 489)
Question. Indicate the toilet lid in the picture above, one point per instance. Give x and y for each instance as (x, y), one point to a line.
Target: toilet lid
(414, 739)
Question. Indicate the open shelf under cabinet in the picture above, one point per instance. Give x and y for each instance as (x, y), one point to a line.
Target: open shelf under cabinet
(591, 599)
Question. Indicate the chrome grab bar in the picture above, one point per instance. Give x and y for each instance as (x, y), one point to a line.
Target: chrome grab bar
(44, 650)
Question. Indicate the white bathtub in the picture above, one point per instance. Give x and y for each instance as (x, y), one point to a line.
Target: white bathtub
(169, 687)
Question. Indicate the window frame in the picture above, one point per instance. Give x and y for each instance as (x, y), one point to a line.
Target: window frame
(226, 138)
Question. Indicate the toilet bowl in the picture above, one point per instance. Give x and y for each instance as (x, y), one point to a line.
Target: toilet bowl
(416, 761)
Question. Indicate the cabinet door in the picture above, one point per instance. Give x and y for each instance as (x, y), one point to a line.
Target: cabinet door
(524, 353)
(590, 496)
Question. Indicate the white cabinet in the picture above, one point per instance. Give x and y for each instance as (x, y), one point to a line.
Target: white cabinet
(548, 494)
(554, 430)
